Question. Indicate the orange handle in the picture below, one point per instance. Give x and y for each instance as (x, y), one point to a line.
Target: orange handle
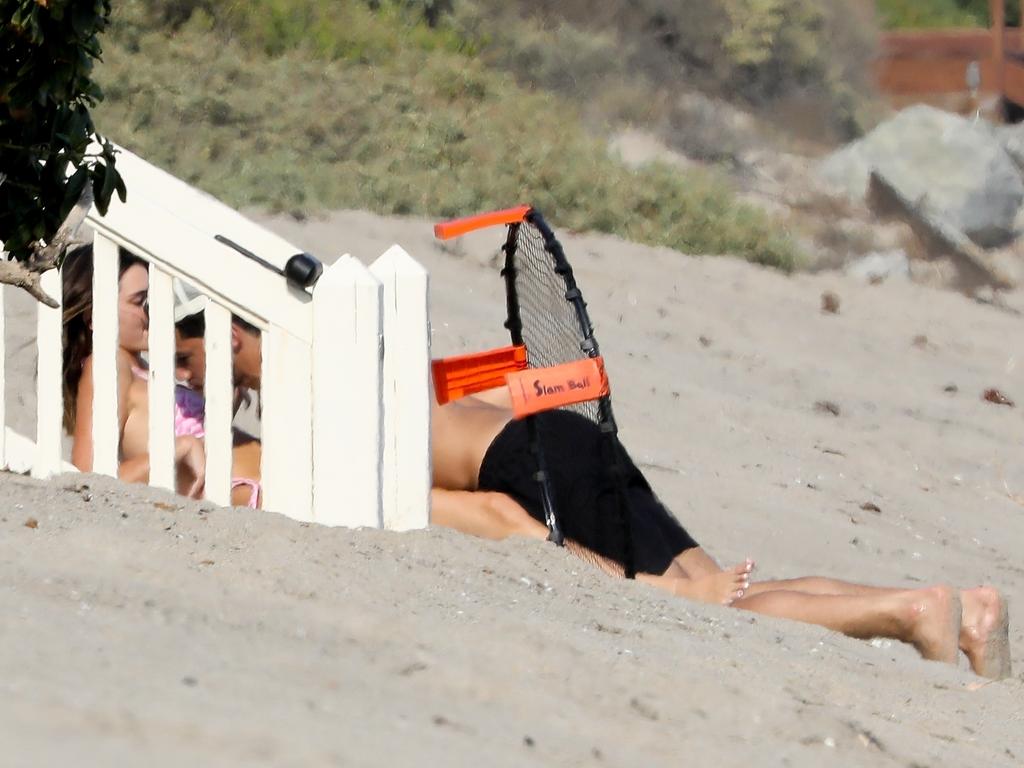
(446, 230)
(542, 389)
(462, 375)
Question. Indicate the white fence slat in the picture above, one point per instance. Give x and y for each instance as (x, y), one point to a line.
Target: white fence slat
(406, 473)
(105, 291)
(172, 224)
(161, 379)
(287, 425)
(347, 396)
(3, 379)
(219, 392)
(213, 268)
(49, 377)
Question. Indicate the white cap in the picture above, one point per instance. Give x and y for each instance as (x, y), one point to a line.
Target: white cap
(188, 300)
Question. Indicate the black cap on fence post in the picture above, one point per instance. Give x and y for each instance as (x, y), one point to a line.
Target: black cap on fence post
(303, 270)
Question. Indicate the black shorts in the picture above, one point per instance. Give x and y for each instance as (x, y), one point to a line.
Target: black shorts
(584, 491)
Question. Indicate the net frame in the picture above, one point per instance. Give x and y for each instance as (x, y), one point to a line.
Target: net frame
(599, 411)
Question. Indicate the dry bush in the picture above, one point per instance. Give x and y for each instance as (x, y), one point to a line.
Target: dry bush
(300, 106)
(803, 64)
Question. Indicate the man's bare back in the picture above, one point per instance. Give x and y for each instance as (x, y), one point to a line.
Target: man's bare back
(461, 433)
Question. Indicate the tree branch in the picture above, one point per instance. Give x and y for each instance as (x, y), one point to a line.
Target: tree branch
(52, 254)
(19, 275)
(26, 275)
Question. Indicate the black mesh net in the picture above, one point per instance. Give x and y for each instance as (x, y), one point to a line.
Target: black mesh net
(556, 332)
(550, 327)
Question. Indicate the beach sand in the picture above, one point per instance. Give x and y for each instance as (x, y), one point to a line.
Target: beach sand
(141, 627)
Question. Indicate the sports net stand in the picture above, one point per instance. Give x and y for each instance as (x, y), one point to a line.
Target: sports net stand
(554, 361)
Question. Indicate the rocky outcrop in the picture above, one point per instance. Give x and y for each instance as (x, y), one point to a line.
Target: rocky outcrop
(959, 169)
(974, 270)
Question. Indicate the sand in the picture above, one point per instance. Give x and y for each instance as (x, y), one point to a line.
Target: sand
(143, 627)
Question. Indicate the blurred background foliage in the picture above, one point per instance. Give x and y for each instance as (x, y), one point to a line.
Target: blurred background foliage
(447, 107)
(903, 14)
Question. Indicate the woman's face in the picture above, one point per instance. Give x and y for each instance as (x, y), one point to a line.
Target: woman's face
(131, 314)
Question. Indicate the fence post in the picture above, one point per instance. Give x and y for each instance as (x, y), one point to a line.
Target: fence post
(3, 380)
(407, 476)
(1020, 27)
(218, 388)
(161, 379)
(997, 12)
(105, 289)
(286, 429)
(49, 380)
(347, 405)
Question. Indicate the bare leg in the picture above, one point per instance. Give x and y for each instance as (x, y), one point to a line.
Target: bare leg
(487, 515)
(929, 619)
(695, 563)
(723, 588)
(983, 632)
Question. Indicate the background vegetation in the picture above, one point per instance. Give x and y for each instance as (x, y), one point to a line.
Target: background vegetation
(803, 66)
(899, 14)
(447, 108)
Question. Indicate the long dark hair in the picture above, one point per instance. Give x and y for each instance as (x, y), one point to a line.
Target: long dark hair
(77, 317)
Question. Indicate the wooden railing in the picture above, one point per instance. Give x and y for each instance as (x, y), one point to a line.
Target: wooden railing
(345, 417)
(932, 65)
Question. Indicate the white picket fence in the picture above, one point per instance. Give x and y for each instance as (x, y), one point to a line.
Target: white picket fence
(345, 424)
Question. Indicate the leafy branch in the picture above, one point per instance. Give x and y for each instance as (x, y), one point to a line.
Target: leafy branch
(51, 158)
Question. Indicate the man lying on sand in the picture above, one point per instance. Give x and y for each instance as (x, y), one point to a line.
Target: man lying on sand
(484, 485)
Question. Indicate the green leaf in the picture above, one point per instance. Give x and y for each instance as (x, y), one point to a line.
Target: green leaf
(47, 52)
(83, 19)
(122, 193)
(99, 178)
(73, 190)
(109, 182)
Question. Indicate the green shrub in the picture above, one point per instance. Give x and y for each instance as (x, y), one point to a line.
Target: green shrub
(902, 14)
(426, 129)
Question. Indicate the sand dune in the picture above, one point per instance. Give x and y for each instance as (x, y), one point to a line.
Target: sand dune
(141, 626)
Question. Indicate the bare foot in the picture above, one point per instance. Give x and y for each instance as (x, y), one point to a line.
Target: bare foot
(934, 616)
(984, 632)
(722, 588)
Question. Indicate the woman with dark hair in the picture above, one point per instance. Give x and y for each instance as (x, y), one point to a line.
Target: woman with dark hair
(132, 388)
